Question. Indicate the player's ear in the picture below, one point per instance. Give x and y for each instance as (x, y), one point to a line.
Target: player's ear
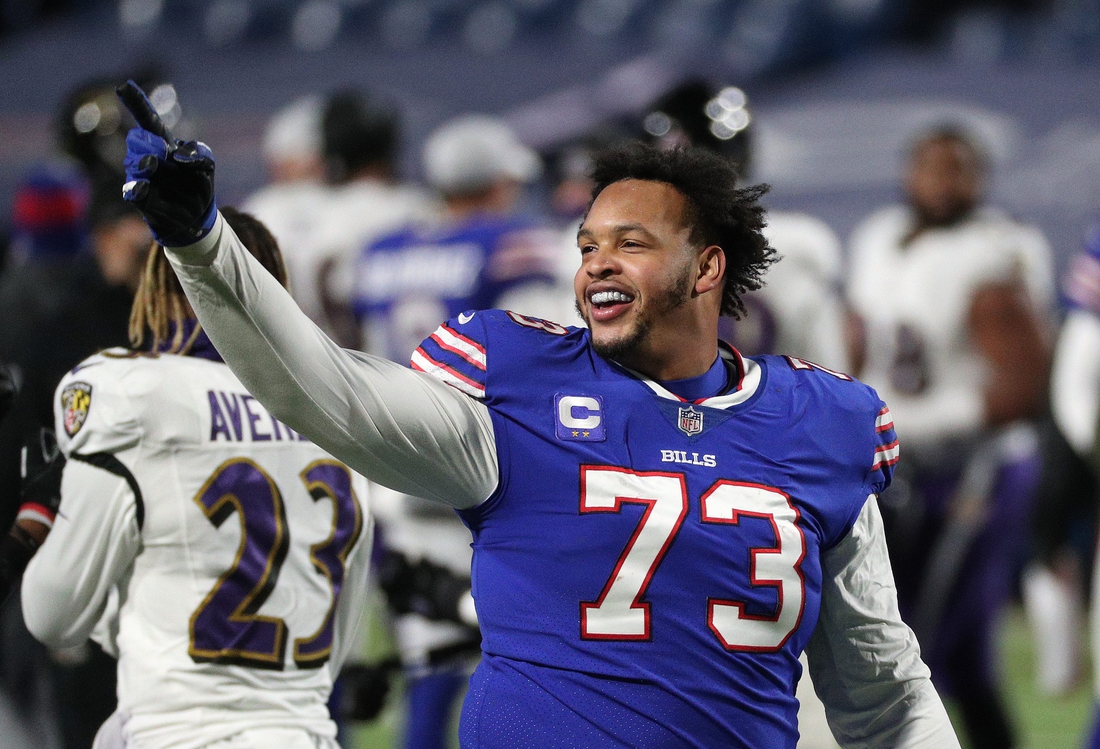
(711, 267)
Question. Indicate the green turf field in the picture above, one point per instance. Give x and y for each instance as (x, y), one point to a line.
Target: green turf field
(1042, 722)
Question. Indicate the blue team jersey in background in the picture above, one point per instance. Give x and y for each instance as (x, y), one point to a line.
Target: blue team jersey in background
(408, 281)
(648, 570)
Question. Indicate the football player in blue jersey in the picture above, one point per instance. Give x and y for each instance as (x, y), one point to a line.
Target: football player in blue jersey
(660, 525)
(483, 252)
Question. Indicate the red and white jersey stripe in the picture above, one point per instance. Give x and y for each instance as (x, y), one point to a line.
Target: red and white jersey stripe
(886, 455)
(453, 341)
(422, 362)
(884, 422)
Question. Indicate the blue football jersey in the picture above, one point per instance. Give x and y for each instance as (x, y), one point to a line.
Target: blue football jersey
(648, 570)
(408, 281)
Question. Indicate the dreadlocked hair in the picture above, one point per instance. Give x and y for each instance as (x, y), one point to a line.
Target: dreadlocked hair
(160, 307)
(717, 211)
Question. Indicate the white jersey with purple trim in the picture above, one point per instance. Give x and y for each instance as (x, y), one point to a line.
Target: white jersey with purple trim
(915, 300)
(293, 213)
(235, 550)
(1075, 376)
(358, 213)
(800, 310)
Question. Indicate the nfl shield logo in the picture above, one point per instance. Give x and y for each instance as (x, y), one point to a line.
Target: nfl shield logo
(691, 421)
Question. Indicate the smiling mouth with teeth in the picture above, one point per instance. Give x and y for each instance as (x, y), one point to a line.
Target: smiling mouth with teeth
(610, 297)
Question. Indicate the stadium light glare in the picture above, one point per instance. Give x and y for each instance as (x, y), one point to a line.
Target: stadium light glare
(657, 124)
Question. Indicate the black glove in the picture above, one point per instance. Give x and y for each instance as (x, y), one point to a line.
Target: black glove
(170, 182)
(364, 689)
(8, 389)
(40, 492)
(423, 588)
(40, 489)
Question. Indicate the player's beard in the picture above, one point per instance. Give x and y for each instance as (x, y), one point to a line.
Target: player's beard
(662, 302)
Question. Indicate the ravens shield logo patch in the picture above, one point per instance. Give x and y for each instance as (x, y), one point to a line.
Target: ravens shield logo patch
(76, 399)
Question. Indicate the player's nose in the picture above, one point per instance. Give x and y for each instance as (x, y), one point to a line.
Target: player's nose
(601, 261)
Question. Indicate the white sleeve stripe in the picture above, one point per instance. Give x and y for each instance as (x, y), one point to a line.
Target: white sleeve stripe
(802, 364)
(886, 455)
(33, 512)
(424, 363)
(459, 344)
(884, 422)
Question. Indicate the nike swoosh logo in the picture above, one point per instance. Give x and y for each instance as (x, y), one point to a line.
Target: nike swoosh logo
(465, 317)
(81, 366)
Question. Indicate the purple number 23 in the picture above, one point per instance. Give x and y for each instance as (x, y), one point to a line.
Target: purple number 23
(225, 628)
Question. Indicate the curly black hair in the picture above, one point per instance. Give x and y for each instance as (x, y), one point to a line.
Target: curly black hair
(718, 212)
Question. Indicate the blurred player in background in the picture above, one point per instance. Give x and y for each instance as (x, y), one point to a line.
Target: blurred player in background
(293, 202)
(483, 253)
(40, 492)
(955, 301)
(48, 264)
(360, 140)
(222, 629)
(800, 311)
(72, 270)
(93, 314)
(1075, 397)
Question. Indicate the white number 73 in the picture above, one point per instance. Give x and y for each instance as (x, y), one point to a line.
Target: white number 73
(621, 614)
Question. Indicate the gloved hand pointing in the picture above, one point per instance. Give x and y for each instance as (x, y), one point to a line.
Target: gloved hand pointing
(170, 182)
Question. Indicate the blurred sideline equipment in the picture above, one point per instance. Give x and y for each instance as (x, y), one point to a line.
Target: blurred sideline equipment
(165, 446)
(481, 253)
(956, 303)
(563, 663)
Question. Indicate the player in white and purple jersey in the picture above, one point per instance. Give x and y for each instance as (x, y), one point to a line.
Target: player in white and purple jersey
(1076, 375)
(659, 528)
(219, 555)
(955, 300)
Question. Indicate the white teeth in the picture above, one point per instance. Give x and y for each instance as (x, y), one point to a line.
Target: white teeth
(609, 297)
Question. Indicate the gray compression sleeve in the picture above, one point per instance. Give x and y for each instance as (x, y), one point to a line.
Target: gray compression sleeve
(865, 662)
(400, 428)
